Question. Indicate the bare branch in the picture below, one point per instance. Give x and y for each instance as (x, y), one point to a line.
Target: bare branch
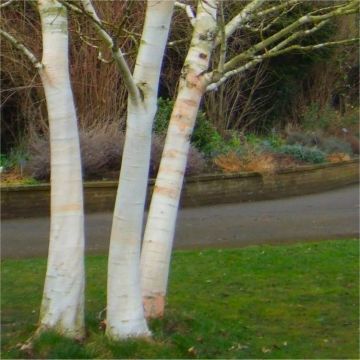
(299, 34)
(117, 54)
(71, 6)
(239, 19)
(21, 47)
(6, 3)
(263, 28)
(276, 8)
(176, 42)
(272, 53)
(188, 10)
(223, 40)
(249, 65)
(249, 13)
(350, 8)
(89, 10)
(306, 48)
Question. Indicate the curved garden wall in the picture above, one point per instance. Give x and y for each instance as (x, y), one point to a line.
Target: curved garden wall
(34, 200)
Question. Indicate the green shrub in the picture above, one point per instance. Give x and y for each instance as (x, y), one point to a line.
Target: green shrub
(316, 118)
(205, 137)
(308, 139)
(17, 158)
(333, 145)
(272, 143)
(328, 119)
(4, 161)
(329, 145)
(163, 114)
(303, 153)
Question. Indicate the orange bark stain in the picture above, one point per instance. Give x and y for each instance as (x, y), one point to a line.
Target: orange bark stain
(194, 82)
(68, 207)
(189, 102)
(181, 122)
(172, 153)
(166, 191)
(154, 306)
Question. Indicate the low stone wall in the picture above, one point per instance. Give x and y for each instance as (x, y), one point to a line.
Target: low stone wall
(34, 200)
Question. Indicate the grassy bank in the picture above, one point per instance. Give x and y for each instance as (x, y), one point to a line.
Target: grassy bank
(298, 301)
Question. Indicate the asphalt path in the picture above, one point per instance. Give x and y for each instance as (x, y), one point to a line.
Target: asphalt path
(328, 215)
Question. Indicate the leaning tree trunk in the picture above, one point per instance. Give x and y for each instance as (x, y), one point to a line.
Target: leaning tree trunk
(62, 307)
(160, 227)
(125, 314)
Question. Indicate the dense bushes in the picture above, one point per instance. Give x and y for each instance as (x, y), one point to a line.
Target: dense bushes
(301, 90)
(101, 151)
(272, 95)
(303, 153)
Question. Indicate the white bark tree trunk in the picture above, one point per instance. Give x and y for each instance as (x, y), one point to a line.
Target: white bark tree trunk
(62, 307)
(160, 227)
(125, 313)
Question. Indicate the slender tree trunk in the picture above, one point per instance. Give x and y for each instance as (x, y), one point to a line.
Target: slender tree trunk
(125, 313)
(160, 227)
(62, 307)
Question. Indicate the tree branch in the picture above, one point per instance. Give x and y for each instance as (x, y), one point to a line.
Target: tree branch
(239, 19)
(6, 3)
(277, 7)
(21, 47)
(188, 10)
(272, 53)
(89, 10)
(300, 48)
(223, 39)
(215, 85)
(306, 19)
(71, 6)
(276, 19)
(299, 34)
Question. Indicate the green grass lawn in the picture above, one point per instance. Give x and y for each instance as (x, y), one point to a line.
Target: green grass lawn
(297, 301)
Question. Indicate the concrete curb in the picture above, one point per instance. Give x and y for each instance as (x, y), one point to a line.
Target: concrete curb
(208, 189)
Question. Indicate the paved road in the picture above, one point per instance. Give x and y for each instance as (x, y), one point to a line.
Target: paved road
(333, 214)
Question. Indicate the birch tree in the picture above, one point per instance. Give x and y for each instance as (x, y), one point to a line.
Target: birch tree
(125, 314)
(211, 33)
(62, 307)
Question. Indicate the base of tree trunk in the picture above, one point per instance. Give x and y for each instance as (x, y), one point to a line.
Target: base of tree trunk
(154, 306)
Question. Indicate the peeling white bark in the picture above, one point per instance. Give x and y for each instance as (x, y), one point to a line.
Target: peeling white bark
(160, 227)
(62, 307)
(125, 313)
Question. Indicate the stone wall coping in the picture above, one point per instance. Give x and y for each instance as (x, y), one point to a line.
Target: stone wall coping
(189, 179)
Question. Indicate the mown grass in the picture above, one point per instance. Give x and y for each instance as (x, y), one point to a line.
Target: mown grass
(298, 301)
